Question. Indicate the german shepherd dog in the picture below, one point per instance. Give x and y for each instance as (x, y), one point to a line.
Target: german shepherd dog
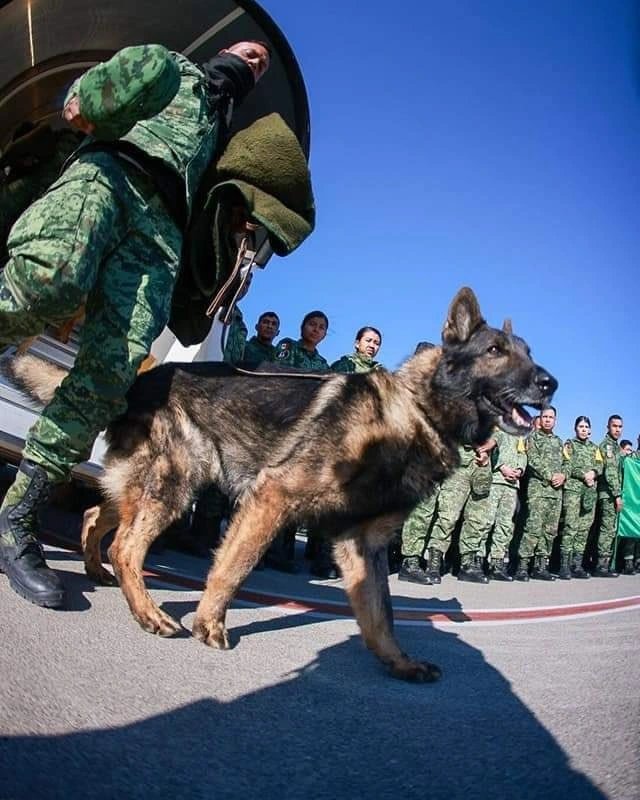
(351, 454)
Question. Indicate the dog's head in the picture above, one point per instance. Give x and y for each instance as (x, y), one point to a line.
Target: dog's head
(487, 374)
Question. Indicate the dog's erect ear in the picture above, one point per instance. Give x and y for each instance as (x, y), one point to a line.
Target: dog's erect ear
(507, 328)
(463, 319)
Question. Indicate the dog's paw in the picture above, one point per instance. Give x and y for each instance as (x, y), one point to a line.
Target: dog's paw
(416, 671)
(159, 623)
(212, 633)
(101, 575)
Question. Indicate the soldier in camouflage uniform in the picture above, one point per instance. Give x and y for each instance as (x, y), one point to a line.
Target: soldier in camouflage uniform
(582, 466)
(367, 345)
(303, 353)
(108, 234)
(609, 497)
(260, 348)
(465, 492)
(509, 461)
(544, 499)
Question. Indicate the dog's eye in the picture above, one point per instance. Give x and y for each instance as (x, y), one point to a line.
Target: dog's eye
(494, 350)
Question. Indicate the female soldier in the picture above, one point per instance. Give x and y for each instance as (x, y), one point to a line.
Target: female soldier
(367, 344)
(303, 353)
(582, 463)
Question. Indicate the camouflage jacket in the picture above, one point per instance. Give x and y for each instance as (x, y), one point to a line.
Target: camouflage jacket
(609, 482)
(293, 354)
(510, 451)
(255, 352)
(355, 363)
(544, 459)
(580, 457)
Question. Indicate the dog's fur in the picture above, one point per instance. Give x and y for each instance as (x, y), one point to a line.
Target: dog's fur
(350, 453)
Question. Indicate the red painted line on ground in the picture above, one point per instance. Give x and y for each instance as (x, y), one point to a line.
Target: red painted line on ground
(404, 615)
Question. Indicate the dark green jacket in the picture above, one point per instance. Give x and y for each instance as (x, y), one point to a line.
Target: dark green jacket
(355, 362)
(255, 352)
(291, 353)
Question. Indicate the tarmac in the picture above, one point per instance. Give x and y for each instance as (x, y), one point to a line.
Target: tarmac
(539, 695)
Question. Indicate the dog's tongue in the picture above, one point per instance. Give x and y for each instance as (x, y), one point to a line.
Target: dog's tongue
(520, 417)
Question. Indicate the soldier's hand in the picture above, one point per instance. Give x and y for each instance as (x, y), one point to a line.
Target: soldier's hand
(619, 504)
(509, 473)
(71, 114)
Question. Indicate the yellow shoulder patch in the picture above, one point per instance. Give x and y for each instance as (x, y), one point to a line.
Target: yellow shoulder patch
(522, 445)
(599, 455)
(567, 450)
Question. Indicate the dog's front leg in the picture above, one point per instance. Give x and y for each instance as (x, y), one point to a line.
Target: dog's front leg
(254, 526)
(364, 571)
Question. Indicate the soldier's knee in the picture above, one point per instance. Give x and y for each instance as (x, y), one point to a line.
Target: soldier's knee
(41, 290)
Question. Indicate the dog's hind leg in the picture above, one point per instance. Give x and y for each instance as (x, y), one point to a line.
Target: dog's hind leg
(364, 572)
(254, 526)
(96, 523)
(142, 519)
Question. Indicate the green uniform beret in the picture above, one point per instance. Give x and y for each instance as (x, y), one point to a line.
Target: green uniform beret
(137, 83)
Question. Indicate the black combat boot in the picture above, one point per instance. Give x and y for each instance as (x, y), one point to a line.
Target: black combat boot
(540, 571)
(577, 570)
(434, 564)
(564, 573)
(21, 556)
(471, 570)
(522, 573)
(323, 566)
(499, 570)
(629, 569)
(411, 570)
(603, 570)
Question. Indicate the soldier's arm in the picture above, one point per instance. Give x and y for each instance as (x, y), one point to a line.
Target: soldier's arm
(611, 473)
(135, 84)
(521, 456)
(598, 465)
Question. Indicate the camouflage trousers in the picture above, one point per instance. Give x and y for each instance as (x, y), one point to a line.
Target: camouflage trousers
(459, 496)
(501, 507)
(100, 236)
(607, 529)
(576, 524)
(417, 525)
(540, 526)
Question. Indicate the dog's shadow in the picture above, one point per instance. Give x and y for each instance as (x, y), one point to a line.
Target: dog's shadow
(181, 609)
(336, 727)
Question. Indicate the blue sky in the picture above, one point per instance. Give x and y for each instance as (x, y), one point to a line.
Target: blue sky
(482, 143)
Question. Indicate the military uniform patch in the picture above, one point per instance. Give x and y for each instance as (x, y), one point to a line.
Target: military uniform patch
(567, 450)
(599, 455)
(284, 350)
(609, 451)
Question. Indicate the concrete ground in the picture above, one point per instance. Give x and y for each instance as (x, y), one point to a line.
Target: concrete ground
(539, 697)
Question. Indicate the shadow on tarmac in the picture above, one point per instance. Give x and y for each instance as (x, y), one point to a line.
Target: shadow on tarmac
(337, 728)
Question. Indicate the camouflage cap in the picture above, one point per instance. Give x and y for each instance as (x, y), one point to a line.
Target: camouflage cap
(135, 84)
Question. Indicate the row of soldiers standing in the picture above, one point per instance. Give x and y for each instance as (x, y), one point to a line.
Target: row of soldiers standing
(558, 488)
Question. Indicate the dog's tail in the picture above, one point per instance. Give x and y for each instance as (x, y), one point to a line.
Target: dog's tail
(36, 378)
